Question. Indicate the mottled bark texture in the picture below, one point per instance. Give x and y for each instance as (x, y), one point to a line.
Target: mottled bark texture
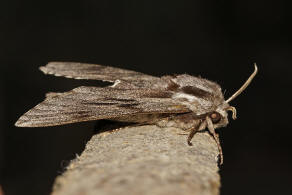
(143, 160)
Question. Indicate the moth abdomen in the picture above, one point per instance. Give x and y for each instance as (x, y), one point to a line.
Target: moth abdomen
(143, 118)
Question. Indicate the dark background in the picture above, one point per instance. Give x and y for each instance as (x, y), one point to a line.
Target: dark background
(216, 39)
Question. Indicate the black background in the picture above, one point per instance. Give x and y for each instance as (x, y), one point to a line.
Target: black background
(216, 39)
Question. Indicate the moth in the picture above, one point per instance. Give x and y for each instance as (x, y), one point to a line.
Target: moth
(187, 102)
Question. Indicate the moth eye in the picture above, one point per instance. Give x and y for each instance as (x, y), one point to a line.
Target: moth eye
(215, 117)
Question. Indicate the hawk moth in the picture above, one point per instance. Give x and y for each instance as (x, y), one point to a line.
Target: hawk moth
(184, 101)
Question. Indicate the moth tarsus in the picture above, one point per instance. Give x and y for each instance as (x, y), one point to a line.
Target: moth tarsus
(188, 102)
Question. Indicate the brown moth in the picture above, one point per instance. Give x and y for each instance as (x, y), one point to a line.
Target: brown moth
(183, 101)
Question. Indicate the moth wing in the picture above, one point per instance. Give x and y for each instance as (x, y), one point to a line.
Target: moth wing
(93, 103)
(96, 72)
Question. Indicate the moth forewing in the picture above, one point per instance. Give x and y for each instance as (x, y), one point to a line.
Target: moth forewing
(184, 101)
(93, 103)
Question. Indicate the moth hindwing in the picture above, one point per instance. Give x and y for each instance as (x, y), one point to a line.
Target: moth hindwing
(184, 101)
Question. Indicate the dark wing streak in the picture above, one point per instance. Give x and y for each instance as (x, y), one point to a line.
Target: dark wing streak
(97, 72)
(93, 103)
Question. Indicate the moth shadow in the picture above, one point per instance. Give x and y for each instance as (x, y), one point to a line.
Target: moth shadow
(104, 125)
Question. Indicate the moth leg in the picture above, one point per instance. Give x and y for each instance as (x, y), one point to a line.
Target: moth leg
(194, 130)
(216, 137)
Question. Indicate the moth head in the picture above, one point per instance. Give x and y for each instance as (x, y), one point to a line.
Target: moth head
(219, 118)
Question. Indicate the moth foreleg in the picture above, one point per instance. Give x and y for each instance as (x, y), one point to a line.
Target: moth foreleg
(194, 130)
(216, 137)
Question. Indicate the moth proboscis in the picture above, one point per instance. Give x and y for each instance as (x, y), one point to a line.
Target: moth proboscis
(187, 102)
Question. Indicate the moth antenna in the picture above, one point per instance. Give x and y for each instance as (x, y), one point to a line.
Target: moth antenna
(244, 86)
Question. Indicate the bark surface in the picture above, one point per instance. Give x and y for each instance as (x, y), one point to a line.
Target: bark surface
(143, 160)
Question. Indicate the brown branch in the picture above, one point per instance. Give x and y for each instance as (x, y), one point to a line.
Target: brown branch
(143, 160)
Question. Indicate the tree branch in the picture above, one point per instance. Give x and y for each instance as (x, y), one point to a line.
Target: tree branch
(143, 160)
